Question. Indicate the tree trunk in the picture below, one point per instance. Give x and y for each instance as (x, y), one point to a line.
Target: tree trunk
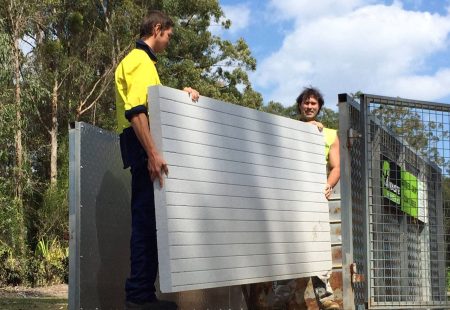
(19, 158)
(18, 133)
(54, 136)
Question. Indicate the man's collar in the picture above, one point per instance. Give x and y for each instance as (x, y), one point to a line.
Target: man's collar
(143, 46)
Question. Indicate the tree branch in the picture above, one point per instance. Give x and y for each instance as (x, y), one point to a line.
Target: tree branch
(189, 21)
(104, 77)
(102, 91)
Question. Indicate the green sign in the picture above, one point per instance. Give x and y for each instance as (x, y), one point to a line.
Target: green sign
(410, 194)
(400, 187)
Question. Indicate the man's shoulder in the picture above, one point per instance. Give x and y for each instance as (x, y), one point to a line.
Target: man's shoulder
(329, 130)
(135, 56)
(330, 134)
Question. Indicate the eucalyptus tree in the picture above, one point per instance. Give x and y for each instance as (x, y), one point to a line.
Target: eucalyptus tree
(14, 17)
(216, 67)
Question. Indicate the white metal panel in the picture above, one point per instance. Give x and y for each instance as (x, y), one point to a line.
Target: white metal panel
(199, 225)
(241, 121)
(244, 200)
(207, 151)
(207, 263)
(239, 237)
(224, 129)
(239, 167)
(233, 274)
(227, 143)
(231, 213)
(212, 176)
(229, 250)
(190, 199)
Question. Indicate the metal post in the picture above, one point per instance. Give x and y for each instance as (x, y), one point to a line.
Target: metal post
(346, 203)
(74, 216)
(365, 198)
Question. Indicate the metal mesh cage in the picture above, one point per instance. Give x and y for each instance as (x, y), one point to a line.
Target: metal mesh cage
(406, 169)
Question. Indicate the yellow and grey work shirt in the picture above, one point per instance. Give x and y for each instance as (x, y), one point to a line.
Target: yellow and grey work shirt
(329, 137)
(135, 73)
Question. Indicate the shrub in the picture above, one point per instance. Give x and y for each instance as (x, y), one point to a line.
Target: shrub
(11, 267)
(54, 213)
(51, 262)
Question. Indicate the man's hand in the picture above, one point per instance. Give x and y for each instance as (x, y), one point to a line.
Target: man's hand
(192, 93)
(156, 166)
(327, 191)
(318, 124)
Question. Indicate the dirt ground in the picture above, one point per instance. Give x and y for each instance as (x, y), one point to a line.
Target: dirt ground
(59, 291)
(39, 298)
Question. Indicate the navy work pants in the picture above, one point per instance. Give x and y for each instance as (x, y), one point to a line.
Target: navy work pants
(140, 286)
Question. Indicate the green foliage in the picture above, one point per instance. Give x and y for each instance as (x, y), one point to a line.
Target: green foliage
(66, 73)
(9, 222)
(327, 117)
(11, 267)
(49, 217)
(421, 133)
(448, 279)
(277, 108)
(5, 64)
(75, 23)
(6, 111)
(217, 68)
(51, 262)
(48, 265)
(52, 216)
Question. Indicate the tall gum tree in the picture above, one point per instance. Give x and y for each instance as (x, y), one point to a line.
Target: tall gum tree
(15, 15)
(195, 57)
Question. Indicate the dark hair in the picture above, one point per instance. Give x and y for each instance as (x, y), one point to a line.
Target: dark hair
(153, 18)
(310, 92)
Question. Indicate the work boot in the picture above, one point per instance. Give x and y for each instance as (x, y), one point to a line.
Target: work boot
(328, 304)
(153, 305)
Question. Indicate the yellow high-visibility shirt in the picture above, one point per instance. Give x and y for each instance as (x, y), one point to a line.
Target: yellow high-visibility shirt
(135, 73)
(329, 136)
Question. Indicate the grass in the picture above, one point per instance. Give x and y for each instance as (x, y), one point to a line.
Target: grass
(36, 303)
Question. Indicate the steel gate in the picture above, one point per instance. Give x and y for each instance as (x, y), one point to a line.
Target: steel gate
(399, 156)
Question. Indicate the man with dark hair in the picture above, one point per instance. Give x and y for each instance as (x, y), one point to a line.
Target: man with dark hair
(309, 104)
(307, 93)
(135, 73)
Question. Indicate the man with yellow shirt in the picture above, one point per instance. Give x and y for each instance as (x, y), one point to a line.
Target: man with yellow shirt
(309, 104)
(135, 73)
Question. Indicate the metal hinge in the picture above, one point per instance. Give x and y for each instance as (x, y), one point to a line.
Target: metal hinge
(356, 277)
(352, 134)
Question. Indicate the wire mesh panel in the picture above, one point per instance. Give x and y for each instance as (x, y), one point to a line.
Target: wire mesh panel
(407, 162)
(359, 222)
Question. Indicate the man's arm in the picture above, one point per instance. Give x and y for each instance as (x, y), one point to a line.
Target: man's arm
(334, 166)
(156, 164)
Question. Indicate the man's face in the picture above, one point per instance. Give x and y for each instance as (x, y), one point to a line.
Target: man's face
(162, 39)
(309, 109)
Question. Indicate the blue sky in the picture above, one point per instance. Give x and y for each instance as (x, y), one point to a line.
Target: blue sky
(393, 48)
